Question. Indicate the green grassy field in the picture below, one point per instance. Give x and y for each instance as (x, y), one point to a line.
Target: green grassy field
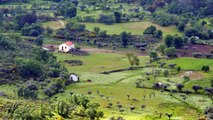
(54, 24)
(117, 86)
(133, 27)
(191, 63)
(98, 62)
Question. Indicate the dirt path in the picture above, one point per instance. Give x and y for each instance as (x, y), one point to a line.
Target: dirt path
(62, 23)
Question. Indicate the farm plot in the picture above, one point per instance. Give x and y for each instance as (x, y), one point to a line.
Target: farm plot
(119, 89)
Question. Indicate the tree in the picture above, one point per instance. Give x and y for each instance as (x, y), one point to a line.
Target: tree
(205, 68)
(22, 19)
(106, 19)
(203, 23)
(71, 12)
(196, 88)
(29, 68)
(180, 86)
(159, 34)
(178, 69)
(153, 55)
(49, 30)
(191, 32)
(169, 40)
(32, 30)
(170, 51)
(103, 33)
(166, 73)
(133, 60)
(181, 27)
(150, 30)
(178, 42)
(124, 38)
(96, 29)
(117, 17)
(39, 40)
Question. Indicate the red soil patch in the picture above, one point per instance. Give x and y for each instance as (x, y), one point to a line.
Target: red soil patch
(188, 50)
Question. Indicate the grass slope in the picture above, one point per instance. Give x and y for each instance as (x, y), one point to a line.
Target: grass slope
(133, 27)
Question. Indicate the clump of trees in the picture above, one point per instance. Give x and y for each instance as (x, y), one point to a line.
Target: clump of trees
(124, 38)
(106, 18)
(174, 41)
(77, 106)
(32, 30)
(152, 30)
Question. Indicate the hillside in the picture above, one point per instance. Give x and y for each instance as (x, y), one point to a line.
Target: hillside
(106, 59)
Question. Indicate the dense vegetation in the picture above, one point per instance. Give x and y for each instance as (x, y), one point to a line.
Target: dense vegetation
(139, 59)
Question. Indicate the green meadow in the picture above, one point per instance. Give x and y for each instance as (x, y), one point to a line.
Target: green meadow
(115, 87)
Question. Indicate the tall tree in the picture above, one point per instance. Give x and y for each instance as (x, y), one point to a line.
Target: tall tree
(169, 40)
(117, 17)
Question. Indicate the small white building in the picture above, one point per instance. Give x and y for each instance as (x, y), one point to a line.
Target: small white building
(65, 47)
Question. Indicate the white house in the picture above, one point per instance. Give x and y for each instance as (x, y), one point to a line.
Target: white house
(65, 47)
(74, 78)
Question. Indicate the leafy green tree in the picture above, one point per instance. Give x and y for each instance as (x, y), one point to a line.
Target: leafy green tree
(162, 48)
(71, 12)
(181, 27)
(124, 38)
(166, 73)
(32, 30)
(6, 43)
(170, 51)
(133, 60)
(49, 30)
(178, 69)
(169, 40)
(150, 30)
(159, 34)
(106, 18)
(39, 40)
(136, 60)
(180, 87)
(153, 55)
(103, 33)
(206, 68)
(22, 19)
(96, 29)
(130, 58)
(178, 42)
(29, 68)
(117, 17)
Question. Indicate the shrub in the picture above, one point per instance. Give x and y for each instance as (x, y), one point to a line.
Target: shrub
(106, 19)
(29, 68)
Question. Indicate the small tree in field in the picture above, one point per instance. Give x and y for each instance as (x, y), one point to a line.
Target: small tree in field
(153, 55)
(178, 69)
(196, 88)
(133, 60)
(206, 68)
(180, 87)
(96, 29)
(166, 73)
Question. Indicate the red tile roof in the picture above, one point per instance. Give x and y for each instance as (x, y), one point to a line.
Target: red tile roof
(69, 43)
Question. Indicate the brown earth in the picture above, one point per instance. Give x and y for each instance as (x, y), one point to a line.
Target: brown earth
(193, 75)
(188, 50)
